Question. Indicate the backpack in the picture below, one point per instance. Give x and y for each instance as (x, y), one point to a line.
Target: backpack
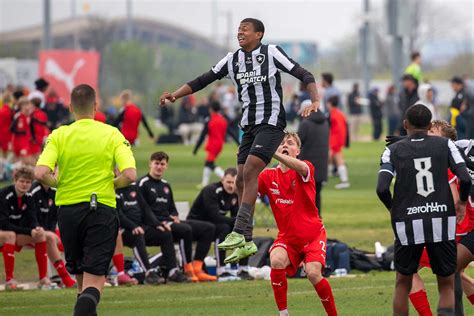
(361, 260)
(337, 255)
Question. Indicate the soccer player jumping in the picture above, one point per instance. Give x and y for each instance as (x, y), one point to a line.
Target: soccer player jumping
(255, 71)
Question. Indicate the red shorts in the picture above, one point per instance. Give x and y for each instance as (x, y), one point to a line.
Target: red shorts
(4, 144)
(34, 149)
(21, 151)
(315, 251)
(335, 149)
(212, 155)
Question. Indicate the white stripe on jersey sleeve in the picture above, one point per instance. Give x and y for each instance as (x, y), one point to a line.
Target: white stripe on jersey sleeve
(222, 63)
(455, 152)
(386, 156)
(282, 59)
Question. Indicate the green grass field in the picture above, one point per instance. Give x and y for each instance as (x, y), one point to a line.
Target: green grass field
(354, 216)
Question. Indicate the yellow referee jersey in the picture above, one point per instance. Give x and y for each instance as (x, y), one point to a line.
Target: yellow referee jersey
(86, 153)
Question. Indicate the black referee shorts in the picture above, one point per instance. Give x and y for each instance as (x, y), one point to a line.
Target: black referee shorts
(260, 140)
(442, 257)
(89, 237)
(468, 241)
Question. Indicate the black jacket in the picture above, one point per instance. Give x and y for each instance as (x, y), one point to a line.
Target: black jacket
(159, 196)
(212, 204)
(12, 217)
(133, 210)
(406, 100)
(314, 134)
(46, 209)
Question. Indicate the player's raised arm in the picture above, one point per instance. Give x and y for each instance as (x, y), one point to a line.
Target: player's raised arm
(293, 163)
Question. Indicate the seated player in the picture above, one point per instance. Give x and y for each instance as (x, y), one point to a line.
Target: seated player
(17, 214)
(301, 234)
(140, 228)
(211, 205)
(159, 196)
(47, 215)
(7, 247)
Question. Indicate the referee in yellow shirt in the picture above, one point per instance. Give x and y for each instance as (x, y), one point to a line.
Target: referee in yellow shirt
(85, 154)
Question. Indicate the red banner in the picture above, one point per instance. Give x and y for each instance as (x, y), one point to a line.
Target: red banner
(65, 69)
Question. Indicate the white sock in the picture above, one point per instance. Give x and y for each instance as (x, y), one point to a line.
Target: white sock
(219, 172)
(220, 270)
(330, 168)
(284, 312)
(343, 175)
(244, 268)
(206, 175)
(172, 271)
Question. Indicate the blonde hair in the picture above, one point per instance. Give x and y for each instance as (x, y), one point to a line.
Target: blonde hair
(446, 130)
(295, 137)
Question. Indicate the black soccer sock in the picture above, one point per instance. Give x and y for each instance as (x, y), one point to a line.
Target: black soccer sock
(445, 311)
(243, 218)
(248, 232)
(458, 304)
(87, 302)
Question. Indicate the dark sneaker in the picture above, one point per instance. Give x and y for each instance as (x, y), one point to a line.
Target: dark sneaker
(153, 278)
(244, 275)
(178, 277)
(226, 277)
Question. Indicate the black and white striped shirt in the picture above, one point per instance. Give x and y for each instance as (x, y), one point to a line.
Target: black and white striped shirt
(422, 208)
(256, 75)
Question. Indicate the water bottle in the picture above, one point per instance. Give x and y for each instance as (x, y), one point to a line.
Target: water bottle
(113, 276)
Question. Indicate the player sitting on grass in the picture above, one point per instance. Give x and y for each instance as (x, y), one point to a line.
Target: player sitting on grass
(301, 234)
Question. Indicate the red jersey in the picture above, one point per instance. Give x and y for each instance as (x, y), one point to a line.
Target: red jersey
(21, 134)
(6, 118)
(464, 227)
(217, 129)
(338, 131)
(292, 199)
(132, 115)
(38, 122)
(100, 117)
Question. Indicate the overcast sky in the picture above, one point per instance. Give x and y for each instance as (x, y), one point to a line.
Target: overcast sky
(321, 21)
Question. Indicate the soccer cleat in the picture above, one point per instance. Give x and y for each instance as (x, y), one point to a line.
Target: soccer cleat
(178, 277)
(232, 241)
(201, 275)
(226, 277)
(153, 278)
(11, 285)
(189, 271)
(342, 185)
(125, 279)
(249, 249)
(244, 275)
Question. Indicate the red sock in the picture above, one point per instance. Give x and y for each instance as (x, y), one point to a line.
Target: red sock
(471, 299)
(9, 260)
(420, 303)
(41, 259)
(280, 287)
(119, 263)
(323, 288)
(65, 277)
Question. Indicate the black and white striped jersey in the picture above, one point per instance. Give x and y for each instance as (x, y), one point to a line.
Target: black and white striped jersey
(422, 209)
(256, 75)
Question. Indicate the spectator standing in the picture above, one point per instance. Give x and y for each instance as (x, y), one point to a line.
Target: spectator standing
(414, 68)
(457, 111)
(408, 97)
(38, 126)
(392, 111)
(41, 86)
(329, 89)
(6, 118)
(355, 112)
(21, 132)
(425, 93)
(375, 106)
(314, 134)
(188, 127)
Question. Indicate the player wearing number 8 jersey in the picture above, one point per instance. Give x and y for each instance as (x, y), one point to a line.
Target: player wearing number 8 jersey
(301, 234)
(422, 209)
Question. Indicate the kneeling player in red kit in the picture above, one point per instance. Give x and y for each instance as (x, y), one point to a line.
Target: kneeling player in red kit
(301, 233)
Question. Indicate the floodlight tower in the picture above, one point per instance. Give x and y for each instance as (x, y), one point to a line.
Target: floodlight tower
(47, 42)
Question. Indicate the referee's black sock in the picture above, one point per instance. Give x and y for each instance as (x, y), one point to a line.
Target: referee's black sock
(86, 304)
